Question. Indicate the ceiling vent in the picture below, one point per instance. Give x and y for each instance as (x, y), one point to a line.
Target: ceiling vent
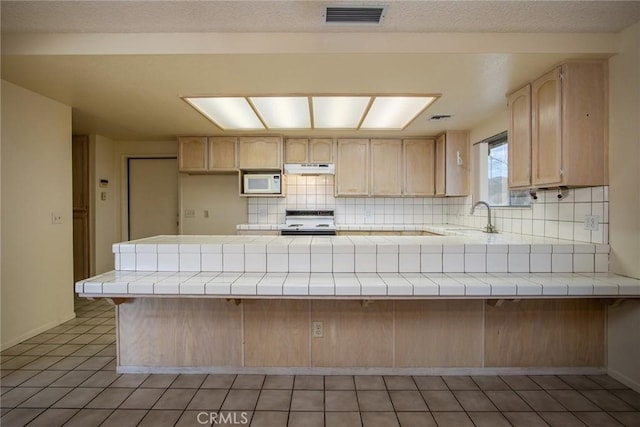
(437, 117)
(371, 15)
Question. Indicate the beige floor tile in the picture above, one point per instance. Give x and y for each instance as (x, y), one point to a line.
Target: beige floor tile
(339, 382)
(159, 380)
(407, 400)
(189, 381)
(142, 398)
(452, 419)
(20, 416)
(306, 419)
(374, 400)
(629, 396)
(606, 400)
(208, 399)
(379, 419)
(124, 418)
(474, 400)
(507, 400)
(110, 398)
(88, 417)
(72, 379)
(130, 380)
(430, 383)
(397, 382)
(488, 419)
(441, 400)
(490, 382)
(175, 398)
(573, 400)
(460, 383)
(278, 382)
(222, 381)
(416, 419)
(46, 397)
(308, 382)
(369, 382)
(561, 419)
(241, 400)
(340, 400)
(53, 417)
(342, 419)
(540, 400)
(307, 400)
(550, 382)
(525, 419)
(77, 398)
(274, 400)
(580, 382)
(628, 419)
(252, 382)
(269, 419)
(157, 418)
(520, 382)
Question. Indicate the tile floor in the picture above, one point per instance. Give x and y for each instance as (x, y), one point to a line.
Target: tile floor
(66, 376)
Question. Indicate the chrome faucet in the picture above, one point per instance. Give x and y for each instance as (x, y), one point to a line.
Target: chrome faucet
(489, 228)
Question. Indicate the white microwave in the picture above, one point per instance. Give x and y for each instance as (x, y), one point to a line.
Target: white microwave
(262, 183)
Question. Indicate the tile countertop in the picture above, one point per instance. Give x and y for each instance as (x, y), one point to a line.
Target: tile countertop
(449, 234)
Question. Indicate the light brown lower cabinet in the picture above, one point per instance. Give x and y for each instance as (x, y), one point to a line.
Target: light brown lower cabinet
(209, 333)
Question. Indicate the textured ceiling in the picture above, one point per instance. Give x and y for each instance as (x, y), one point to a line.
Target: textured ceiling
(306, 16)
(126, 83)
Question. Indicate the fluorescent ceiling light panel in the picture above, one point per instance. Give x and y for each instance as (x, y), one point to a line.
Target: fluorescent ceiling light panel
(394, 112)
(228, 112)
(338, 112)
(283, 112)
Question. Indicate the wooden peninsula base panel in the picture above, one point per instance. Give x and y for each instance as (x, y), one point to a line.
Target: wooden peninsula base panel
(218, 335)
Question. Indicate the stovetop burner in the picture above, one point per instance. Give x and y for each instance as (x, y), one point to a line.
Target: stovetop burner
(308, 222)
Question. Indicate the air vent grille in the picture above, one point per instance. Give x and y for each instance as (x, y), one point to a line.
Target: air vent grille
(354, 15)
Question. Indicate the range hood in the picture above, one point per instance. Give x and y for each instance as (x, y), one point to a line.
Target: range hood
(309, 168)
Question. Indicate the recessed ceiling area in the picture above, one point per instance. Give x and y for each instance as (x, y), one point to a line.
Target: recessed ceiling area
(362, 112)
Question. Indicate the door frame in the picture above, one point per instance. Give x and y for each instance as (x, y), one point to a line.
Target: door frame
(124, 190)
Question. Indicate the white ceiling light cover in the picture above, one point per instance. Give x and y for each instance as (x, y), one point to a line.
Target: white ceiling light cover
(395, 112)
(338, 112)
(228, 112)
(283, 112)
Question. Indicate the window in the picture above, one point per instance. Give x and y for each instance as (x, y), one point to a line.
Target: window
(498, 193)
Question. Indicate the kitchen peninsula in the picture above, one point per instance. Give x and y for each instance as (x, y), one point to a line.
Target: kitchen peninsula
(467, 302)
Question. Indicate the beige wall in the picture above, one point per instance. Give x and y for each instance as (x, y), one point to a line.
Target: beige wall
(624, 203)
(217, 194)
(37, 256)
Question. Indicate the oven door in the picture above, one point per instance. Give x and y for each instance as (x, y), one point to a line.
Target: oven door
(314, 232)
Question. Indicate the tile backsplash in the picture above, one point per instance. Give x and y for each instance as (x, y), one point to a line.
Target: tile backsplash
(548, 216)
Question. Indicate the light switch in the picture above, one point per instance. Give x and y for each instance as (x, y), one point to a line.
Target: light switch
(56, 218)
(189, 213)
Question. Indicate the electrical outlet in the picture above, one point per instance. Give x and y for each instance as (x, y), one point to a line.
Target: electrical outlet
(206, 213)
(592, 222)
(56, 218)
(189, 213)
(262, 212)
(368, 213)
(317, 330)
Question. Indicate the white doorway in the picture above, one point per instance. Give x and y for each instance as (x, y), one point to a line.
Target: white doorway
(152, 196)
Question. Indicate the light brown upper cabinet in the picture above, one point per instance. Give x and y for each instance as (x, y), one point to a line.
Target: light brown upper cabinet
(352, 168)
(303, 150)
(386, 167)
(452, 164)
(192, 154)
(519, 136)
(260, 152)
(199, 154)
(569, 126)
(419, 160)
(223, 154)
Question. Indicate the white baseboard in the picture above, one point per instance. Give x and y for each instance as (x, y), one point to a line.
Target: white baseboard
(32, 333)
(357, 371)
(635, 385)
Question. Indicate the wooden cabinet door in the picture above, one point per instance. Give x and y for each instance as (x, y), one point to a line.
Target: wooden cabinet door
(295, 150)
(419, 161)
(386, 167)
(321, 150)
(440, 165)
(192, 154)
(261, 152)
(546, 143)
(222, 153)
(352, 168)
(519, 137)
